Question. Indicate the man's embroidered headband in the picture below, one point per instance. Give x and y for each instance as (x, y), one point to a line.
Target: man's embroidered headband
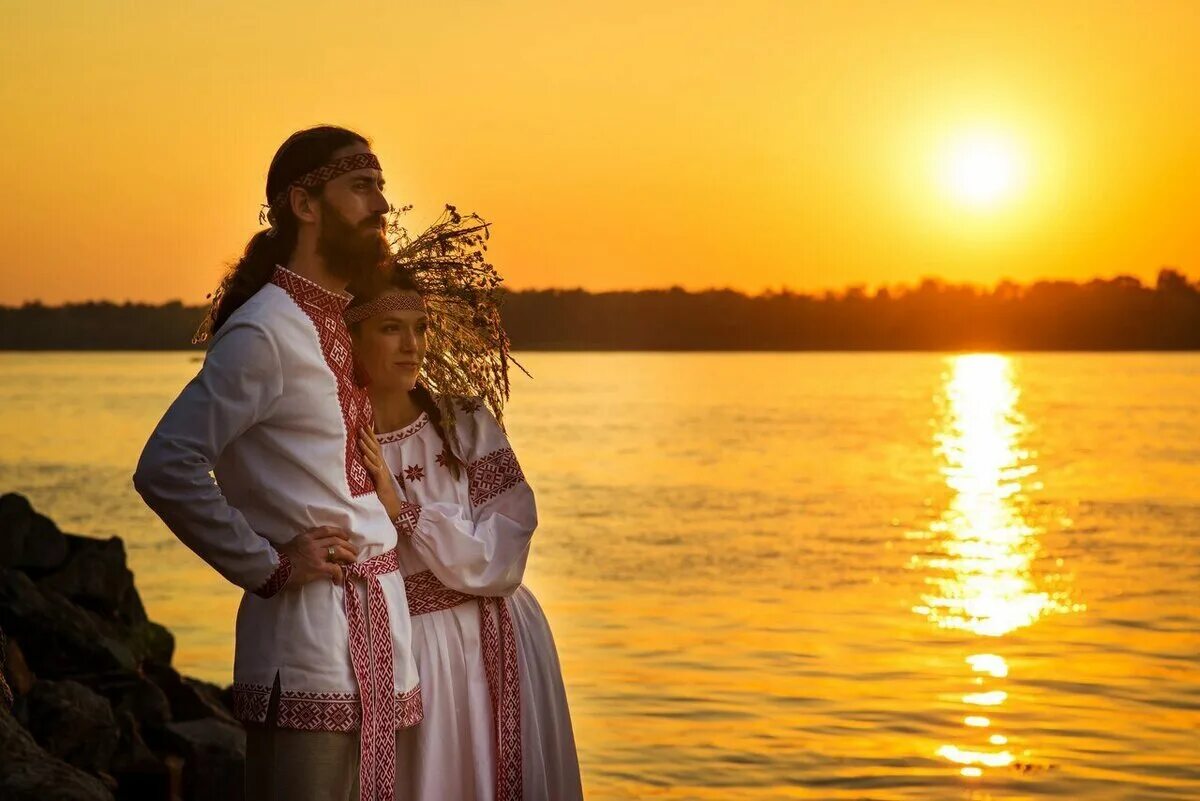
(327, 172)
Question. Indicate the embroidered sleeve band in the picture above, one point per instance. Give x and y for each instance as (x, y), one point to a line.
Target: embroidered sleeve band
(493, 475)
(406, 521)
(278, 579)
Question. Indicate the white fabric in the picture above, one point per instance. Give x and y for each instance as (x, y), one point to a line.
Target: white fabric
(264, 416)
(479, 549)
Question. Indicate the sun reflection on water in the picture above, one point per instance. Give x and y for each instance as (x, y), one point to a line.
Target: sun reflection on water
(978, 566)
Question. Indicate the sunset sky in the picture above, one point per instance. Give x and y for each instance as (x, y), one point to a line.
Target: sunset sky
(614, 145)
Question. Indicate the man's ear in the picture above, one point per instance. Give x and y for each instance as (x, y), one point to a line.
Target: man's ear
(304, 205)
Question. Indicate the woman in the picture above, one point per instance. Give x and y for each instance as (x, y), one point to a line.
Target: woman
(496, 721)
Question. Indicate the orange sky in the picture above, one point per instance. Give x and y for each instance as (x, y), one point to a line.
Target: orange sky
(613, 145)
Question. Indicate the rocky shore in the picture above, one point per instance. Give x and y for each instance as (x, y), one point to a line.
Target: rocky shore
(97, 711)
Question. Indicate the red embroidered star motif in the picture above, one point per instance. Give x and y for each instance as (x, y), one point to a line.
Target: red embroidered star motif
(441, 458)
(469, 405)
(414, 472)
(399, 479)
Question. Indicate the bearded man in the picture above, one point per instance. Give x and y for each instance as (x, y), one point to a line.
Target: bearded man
(255, 467)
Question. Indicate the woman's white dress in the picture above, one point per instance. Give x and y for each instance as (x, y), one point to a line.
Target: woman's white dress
(470, 540)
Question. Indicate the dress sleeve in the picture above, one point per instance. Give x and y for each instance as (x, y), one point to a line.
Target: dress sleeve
(480, 550)
(236, 387)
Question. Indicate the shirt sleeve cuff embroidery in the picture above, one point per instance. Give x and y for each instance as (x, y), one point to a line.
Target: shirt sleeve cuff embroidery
(276, 580)
(406, 521)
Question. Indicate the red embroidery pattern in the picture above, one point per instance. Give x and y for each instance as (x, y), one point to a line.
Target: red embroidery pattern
(317, 711)
(469, 405)
(371, 656)
(414, 472)
(500, 664)
(492, 475)
(327, 172)
(427, 594)
(322, 711)
(250, 702)
(406, 521)
(406, 432)
(441, 459)
(324, 310)
(276, 580)
(379, 711)
(391, 301)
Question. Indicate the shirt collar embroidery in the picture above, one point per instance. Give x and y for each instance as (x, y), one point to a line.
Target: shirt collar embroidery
(309, 293)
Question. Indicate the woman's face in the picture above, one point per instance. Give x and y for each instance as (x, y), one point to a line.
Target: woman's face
(391, 345)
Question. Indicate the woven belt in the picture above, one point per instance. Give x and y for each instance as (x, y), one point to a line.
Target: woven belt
(372, 657)
(499, 642)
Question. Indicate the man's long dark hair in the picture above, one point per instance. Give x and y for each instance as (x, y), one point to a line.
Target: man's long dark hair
(303, 152)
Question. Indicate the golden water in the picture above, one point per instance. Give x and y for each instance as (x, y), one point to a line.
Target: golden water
(827, 576)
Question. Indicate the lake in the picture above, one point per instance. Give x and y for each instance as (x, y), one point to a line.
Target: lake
(810, 575)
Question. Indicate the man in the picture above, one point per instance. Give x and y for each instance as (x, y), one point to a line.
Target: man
(323, 635)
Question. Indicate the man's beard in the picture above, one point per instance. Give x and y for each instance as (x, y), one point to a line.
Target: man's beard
(351, 252)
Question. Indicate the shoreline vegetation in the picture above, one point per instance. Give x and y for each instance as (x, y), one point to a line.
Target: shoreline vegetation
(98, 713)
(1113, 314)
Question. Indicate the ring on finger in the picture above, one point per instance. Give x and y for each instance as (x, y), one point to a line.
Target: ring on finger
(331, 550)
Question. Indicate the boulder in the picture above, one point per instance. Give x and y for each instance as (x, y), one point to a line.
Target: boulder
(28, 773)
(20, 677)
(139, 773)
(214, 758)
(95, 576)
(58, 638)
(73, 723)
(190, 699)
(144, 641)
(28, 540)
(98, 711)
(132, 692)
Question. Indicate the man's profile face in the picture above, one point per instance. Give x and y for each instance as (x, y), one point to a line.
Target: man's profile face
(351, 233)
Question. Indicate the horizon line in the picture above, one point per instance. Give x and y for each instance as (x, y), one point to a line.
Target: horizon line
(784, 289)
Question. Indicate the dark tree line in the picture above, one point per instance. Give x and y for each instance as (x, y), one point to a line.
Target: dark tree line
(1116, 314)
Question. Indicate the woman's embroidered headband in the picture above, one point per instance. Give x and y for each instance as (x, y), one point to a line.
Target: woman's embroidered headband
(389, 301)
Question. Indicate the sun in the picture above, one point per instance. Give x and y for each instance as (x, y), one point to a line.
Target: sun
(982, 169)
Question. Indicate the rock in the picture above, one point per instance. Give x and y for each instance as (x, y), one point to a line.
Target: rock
(28, 540)
(95, 576)
(214, 754)
(139, 773)
(94, 685)
(28, 773)
(144, 641)
(6, 693)
(175, 772)
(20, 677)
(190, 699)
(73, 723)
(133, 693)
(150, 641)
(57, 638)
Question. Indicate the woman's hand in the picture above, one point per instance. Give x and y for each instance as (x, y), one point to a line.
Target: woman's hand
(372, 455)
(318, 553)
